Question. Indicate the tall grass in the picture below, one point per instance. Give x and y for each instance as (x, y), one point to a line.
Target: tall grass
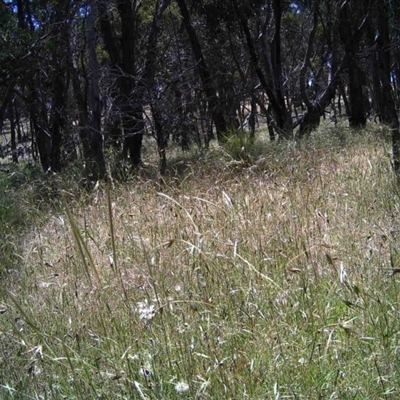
(20, 201)
(274, 278)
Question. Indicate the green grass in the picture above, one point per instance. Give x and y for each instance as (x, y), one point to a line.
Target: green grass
(264, 277)
(20, 200)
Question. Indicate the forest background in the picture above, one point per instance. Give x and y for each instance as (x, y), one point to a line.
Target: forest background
(88, 80)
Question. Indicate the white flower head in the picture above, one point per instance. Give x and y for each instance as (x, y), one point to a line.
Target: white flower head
(181, 387)
(146, 311)
(342, 273)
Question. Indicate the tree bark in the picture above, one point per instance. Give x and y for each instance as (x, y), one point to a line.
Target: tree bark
(11, 116)
(60, 78)
(132, 95)
(132, 87)
(284, 125)
(357, 117)
(283, 116)
(312, 118)
(205, 74)
(39, 119)
(95, 156)
(389, 112)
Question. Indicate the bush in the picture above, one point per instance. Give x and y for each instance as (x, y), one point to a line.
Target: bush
(239, 145)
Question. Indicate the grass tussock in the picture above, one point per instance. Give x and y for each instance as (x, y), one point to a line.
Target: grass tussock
(270, 276)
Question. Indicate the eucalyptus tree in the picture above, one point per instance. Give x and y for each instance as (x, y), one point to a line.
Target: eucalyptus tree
(38, 71)
(85, 77)
(320, 70)
(17, 47)
(261, 24)
(131, 44)
(206, 77)
(353, 21)
(384, 44)
(8, 60)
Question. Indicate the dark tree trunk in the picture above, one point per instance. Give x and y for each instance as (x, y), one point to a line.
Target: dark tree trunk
(11, 116)
(57, 120)
(373, 69)
(5, 102)
(18, 123)
(95, 158)
(132, 89)
(162, 137)
(253, 117)
(312, 117)
(342, 91)
(310, 121)
(389, 112)
(271, 131)
(112, 130)
(272, 89)
(82, 107)
(283, 116)
(147, 82)
(314, 112)
(319, 105)
(39, 121)
(134, 126)
(183, 112)
(357, 117)
(132, 113)
(268, 115)
(339, 103)
(128, 100)
(205, 75)
(60, 78)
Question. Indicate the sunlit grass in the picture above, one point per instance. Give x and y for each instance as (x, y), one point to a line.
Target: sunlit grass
(269, 276)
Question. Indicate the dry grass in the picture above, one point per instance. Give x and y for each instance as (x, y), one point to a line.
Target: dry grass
(236, 279)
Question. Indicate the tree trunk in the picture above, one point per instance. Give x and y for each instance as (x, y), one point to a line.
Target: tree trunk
(39, 120)
(205, 75)
(342, 91)
(253, 117)
(131, 107)
(112, 130)
(389, 113)
(11, 116)
(132, 91)
(5, 102)
(95, 158)
(60, 78)
(272, 89)
(312, 118)
(283, 116)
(57, 119)
(357, 117)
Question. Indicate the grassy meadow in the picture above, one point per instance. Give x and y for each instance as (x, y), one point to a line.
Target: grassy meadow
(265, 271)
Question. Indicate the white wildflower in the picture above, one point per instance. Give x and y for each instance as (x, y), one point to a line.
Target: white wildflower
(178, 288)
(146, 311)
(182, 328)
(181, 387)
(342, 274)
(133, 358)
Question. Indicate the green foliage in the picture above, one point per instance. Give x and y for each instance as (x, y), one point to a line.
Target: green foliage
(239, 145)
(14, 215)
(25, 193)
